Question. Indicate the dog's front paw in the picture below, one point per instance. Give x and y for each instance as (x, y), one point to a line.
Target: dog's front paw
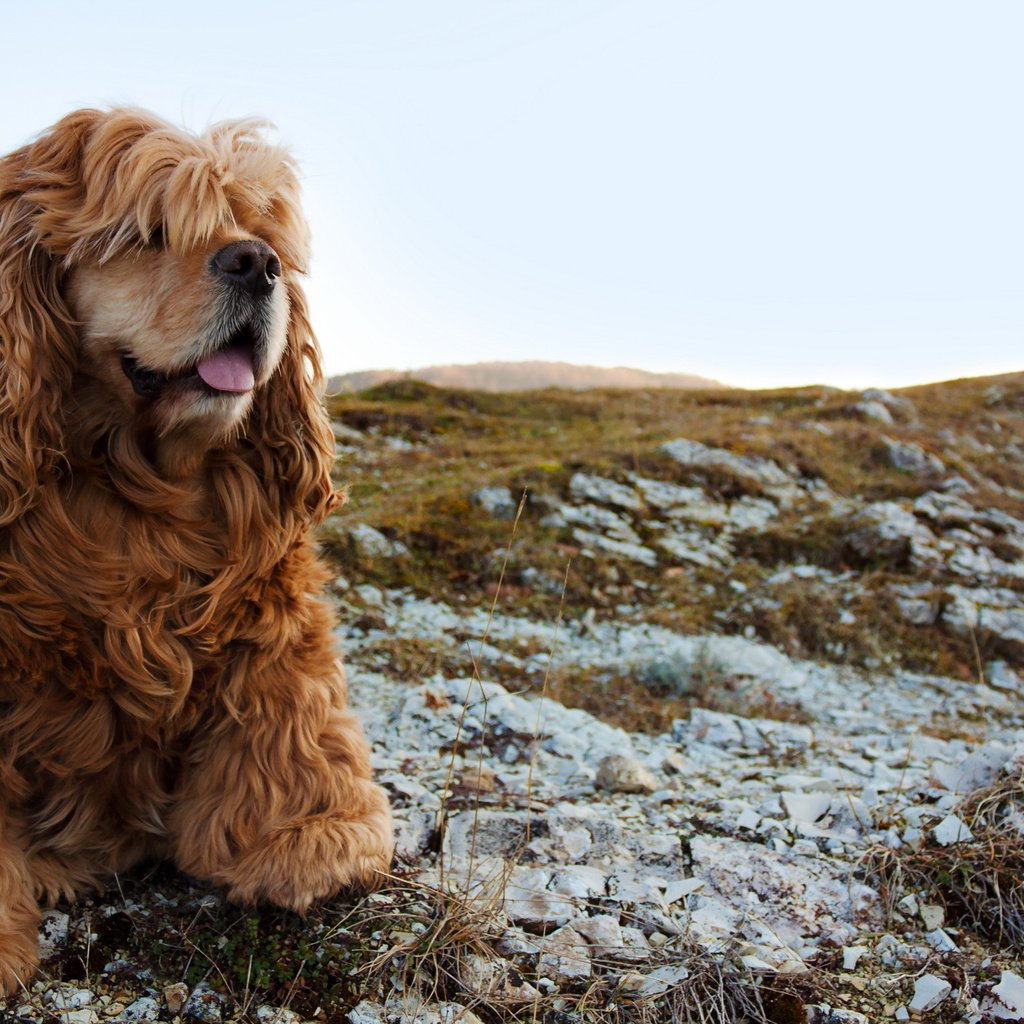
(19, 957)
(310, 859)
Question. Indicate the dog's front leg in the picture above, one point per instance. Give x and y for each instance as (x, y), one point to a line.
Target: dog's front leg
(19, 916)
(277, 803)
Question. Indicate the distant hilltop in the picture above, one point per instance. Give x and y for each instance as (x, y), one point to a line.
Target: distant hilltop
(525, 376)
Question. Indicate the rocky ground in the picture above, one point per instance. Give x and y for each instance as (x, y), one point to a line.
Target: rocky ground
(723, 725)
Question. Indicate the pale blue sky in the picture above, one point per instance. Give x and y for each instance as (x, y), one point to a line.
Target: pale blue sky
(770, 192)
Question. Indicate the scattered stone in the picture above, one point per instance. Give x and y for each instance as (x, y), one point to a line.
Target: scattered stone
(719, 729)
(203, 1006)
(65, 998)
(974, 771)
(410, 1010)
(276, 1015)
(53, 933)
(917, 603)
(565, 956)
(823, 1014)
(929, 992)
(672, 499)
(760, 472)
(680, 889)
(909, 457)
(371, 543)
(952, 830)
(1007, 1001)
(141, 1011)
(886, 531)
(604, 491)
(895, 403)
(619, 774)
(875, 411)
(175, 997)
(602, 931)
(528, 901)
(941, 940)
(495, 978)
(629, 550)
(496, 501)
(790, 897)
(851, 956)
(1001, 676)
(995, 610)
(933, 916)
(807, 807)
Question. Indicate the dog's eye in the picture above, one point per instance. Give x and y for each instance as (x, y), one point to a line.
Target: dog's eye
(156, 235)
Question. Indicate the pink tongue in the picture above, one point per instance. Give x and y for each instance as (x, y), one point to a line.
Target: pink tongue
(230, 369)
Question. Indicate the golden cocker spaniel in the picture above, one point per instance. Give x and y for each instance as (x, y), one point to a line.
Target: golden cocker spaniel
(168, 679)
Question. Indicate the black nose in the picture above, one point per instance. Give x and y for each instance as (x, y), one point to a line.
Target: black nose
(251, 265)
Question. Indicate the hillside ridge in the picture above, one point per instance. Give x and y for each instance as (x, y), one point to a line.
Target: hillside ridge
(527, 375)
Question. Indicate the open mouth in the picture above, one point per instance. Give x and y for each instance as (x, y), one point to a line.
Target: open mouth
(229, 370)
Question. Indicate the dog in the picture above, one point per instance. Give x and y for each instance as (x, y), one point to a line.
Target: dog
(169, 685)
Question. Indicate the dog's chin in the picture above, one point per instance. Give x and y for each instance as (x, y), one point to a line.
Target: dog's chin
(201, 416)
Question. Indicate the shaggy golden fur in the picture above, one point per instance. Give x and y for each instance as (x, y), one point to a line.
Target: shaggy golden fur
(168, 681)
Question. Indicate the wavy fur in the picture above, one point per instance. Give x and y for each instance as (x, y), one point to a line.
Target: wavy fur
(168, 681)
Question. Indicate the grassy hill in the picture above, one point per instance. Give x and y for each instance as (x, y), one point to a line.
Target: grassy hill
(413, 456)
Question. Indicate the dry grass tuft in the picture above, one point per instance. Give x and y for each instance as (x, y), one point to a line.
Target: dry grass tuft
(979, 883)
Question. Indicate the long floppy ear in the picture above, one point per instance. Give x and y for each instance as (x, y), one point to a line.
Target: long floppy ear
(37, 335)
(290, 427)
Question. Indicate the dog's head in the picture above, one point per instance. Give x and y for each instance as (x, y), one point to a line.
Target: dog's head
(149, 289)
(181, 341)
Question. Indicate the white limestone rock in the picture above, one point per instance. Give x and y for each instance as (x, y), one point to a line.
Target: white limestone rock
(412, 1010)
(204, 1005)
(267, 1014)
(564, 956)
(528, 901)
(718, 729)
(975, 770)
(875, 411)
(694, 546)
(630, 550)
(852, 955)
(602, 931)
(918, 603)
(758, 471)
(792, 897)
(620, 774)
(597, 519)
(671, 499)
(952, 829)
(604, 491)
(996, 610)
(1007, 998)
(898, 404)
(653, 983)
(371, 543)
(139, 1011)
(495, 978)
(824, 1014)
(886, 530)
(496, 501)
(930, 991)
(909, 457)
(53, 933)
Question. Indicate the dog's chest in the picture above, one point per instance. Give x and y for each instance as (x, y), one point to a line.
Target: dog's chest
(149, 611)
